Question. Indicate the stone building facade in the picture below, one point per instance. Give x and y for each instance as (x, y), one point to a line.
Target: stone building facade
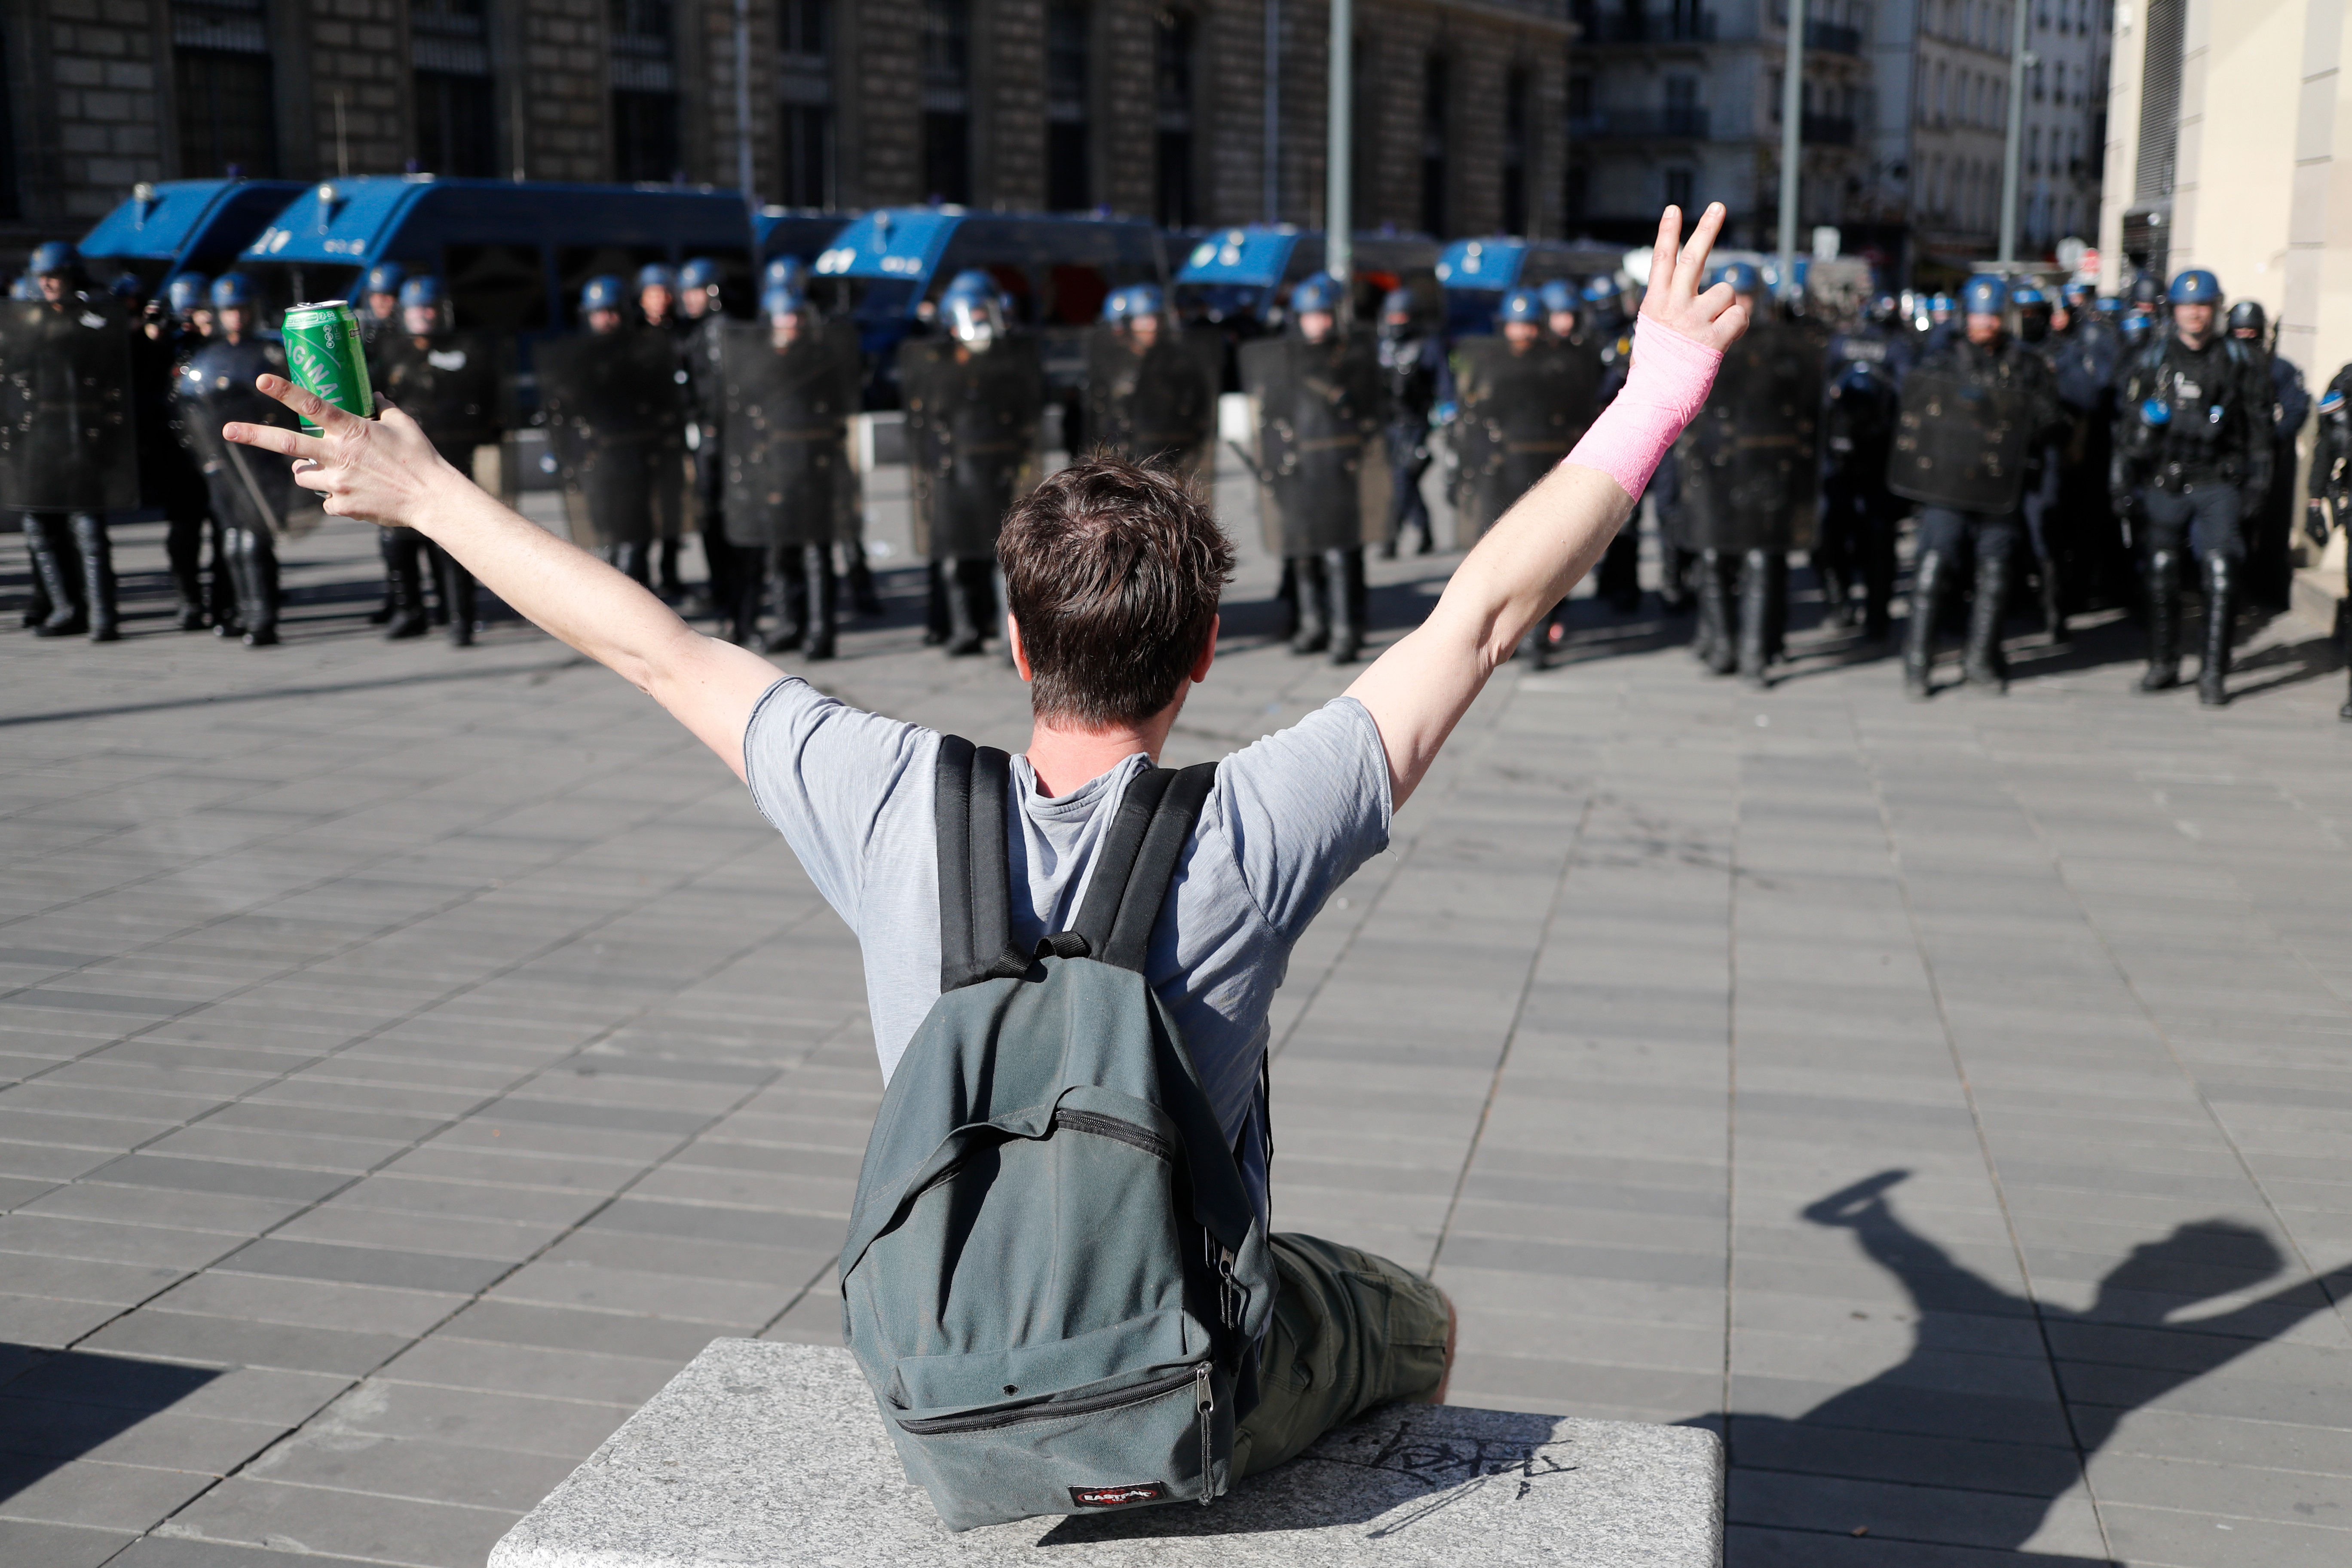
(1132, 106)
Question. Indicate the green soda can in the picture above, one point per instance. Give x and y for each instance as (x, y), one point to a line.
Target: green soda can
(324, 353)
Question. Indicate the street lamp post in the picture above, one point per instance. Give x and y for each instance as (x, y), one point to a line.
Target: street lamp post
(743, 102)
(2018, 60)
(1337, 223)
(1273, 112)
(1793, 140)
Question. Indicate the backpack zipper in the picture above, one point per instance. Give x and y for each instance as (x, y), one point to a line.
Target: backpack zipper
(1111, 1127)
(988, 1421)
(1206, 1401)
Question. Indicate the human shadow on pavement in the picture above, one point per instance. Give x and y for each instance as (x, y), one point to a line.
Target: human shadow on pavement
(2007, 1444)
(58, 1405)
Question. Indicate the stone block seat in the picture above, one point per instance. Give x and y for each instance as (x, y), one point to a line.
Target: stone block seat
(772, 1455)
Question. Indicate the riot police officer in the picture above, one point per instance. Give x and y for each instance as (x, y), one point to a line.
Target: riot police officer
(656, 294)
(1940, 326)
(1748, 467)
(2083, 352)
(2193, 452)
(700, 317)
(788, 387)
(447, 381)
(189, 297)
(2046, 530)
(1525, 399)
(613, 412)
(2269, 529)
(168, 479)
(1588, 322)
(379, 308)
(1415, 380)
(975, 416)
(1972, 419)
(1865, 366)
(1314, 395)
(1151, 392)
(68, 440)
(250, 490)
(2331, 486)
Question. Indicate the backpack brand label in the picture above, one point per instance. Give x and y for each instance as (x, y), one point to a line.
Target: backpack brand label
(1119, 1497)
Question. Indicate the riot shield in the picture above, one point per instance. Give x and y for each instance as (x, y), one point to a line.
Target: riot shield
(450, 387)
(1520, 415)
(783, 435)
(249, 488)
(68, 437)
(1323, 479)
(1751, 461)
(1158, 405)
(1959, 444)
(612, 401)
(973, 427)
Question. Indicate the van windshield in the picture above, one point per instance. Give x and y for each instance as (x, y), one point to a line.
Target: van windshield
(880, 299)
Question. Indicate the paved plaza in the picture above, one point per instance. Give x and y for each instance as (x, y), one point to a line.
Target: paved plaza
(414, 1056)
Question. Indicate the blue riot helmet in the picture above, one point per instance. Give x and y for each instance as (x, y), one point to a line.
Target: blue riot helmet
(2194, 286)
(1743, 277)
(1560, 296)
(1118, 307)
(656, 275)
(1144, 300)
(970, 280)
(232, 292)
(54, 259)
(128, 290)
(1523, 305)
(1600, 287)
(1939, 307)
(2137, 327)
(782, 300)
(1319, 291)
(700, 274)
(185, 292)
(2026, 296)
(386, 278)
(2147, 289)
(422, 290)
(1984, 295)
(789, 271)
(22, 287)
(2077, 294)
(2109, 305)
(973, 314)
(605, 292)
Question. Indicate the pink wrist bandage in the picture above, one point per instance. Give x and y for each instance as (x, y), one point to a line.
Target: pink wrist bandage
(1664, 391)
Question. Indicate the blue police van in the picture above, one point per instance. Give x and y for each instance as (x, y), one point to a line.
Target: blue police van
(806, 232)
(1240, 278)
(1054, 271)
(176, 225)
(1476, 273)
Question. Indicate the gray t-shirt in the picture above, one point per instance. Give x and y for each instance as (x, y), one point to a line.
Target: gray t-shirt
(1289, 820)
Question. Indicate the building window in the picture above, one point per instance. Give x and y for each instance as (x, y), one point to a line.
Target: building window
(220, 65)
(1175, 74)
(457, 106)
(1435, 80)
(804, 112)
(1682, 185)
(644, 92)
(947, 99)
(1518, 92)
(1069, 175)
(11, 202)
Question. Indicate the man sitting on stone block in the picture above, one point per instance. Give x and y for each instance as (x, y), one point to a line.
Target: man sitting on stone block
(1113, 574)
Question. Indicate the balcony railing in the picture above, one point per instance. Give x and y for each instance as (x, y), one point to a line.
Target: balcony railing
(1834, 37)
(1641, 124)
(1645, 27)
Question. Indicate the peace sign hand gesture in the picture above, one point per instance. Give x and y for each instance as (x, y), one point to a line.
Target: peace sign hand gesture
(1715, 318)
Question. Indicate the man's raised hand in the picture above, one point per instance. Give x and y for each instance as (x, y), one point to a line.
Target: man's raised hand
(1716, 316)
(376, 469)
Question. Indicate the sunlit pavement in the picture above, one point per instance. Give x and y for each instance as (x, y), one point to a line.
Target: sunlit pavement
(418, 1054)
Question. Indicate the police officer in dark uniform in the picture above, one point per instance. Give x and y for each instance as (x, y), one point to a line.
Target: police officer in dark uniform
(1316, 399)
(1414, 379)
(789, 387)
(447, 381)
(657, 299)
(168, 478)
(251, 490)
(1865, 365)
(2330, 505)
(975, 416)
(1972, 419)
(68, 439)
(1748, 465)
(2270, 528)
(1151, 390)
(1589, 322)
(379, 302)
(612, 403)
(2193, 451)
(701, 316)
(2047, 529)
(2084, 350)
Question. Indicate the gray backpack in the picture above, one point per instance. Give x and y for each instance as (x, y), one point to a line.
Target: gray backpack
(1054, 1280)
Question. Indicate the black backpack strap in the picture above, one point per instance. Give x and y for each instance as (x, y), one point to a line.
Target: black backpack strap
(1142, 884)
(973, 789)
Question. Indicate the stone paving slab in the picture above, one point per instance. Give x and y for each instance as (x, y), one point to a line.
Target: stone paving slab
(410, 1057)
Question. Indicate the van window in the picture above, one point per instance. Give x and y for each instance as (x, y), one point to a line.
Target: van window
(496, 287)
(1074, 295)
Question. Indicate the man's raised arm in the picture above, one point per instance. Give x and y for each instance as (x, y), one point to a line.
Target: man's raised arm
(1419, 689)
(385, 472)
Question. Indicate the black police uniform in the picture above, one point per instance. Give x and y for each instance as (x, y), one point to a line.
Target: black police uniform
(1414, 379)
(1858, 512)
(68, 449)
(1973, 420)
(1322, 476)
(699, 351)
(2192, 452)
(168, 479)
(974, 434)
(2270, 526)
(615, 412)
(782, 445)
(448, 383)
(1523, 409)
(250, 490)
(2331, 486)
(2094, 563)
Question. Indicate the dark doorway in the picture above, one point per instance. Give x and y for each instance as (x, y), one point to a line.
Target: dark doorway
(220, 69)
(947, 99)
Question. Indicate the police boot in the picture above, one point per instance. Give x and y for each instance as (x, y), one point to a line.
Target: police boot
(1928, 575)
(1981, 663)
(1343, 573)
(221, 593)
(2220, 618)
(938, 622)
(1314, 635)
(1714, 643)
(978, 586)
(184, 548)
(386, 545)
(751, 579)
(963, 627)
(404, 577)
(1755, 647)
(789, 574)
(433, 583)
(719, 567)
(1837, 592)
(457, 592)
(97, 576)
(2163, 620)
(673, 586)
(823, 589)
(57, 565)
(2054, 616)
(863, 596)
(254, 565)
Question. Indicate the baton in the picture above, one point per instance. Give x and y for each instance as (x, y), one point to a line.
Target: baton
(253, 490)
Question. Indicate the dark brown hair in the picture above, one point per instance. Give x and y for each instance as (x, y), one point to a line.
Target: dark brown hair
(1113, 569)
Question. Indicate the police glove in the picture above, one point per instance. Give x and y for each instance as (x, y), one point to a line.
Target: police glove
(2314, 521)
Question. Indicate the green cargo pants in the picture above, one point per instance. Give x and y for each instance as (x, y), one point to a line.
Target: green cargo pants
(1350, 1330)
